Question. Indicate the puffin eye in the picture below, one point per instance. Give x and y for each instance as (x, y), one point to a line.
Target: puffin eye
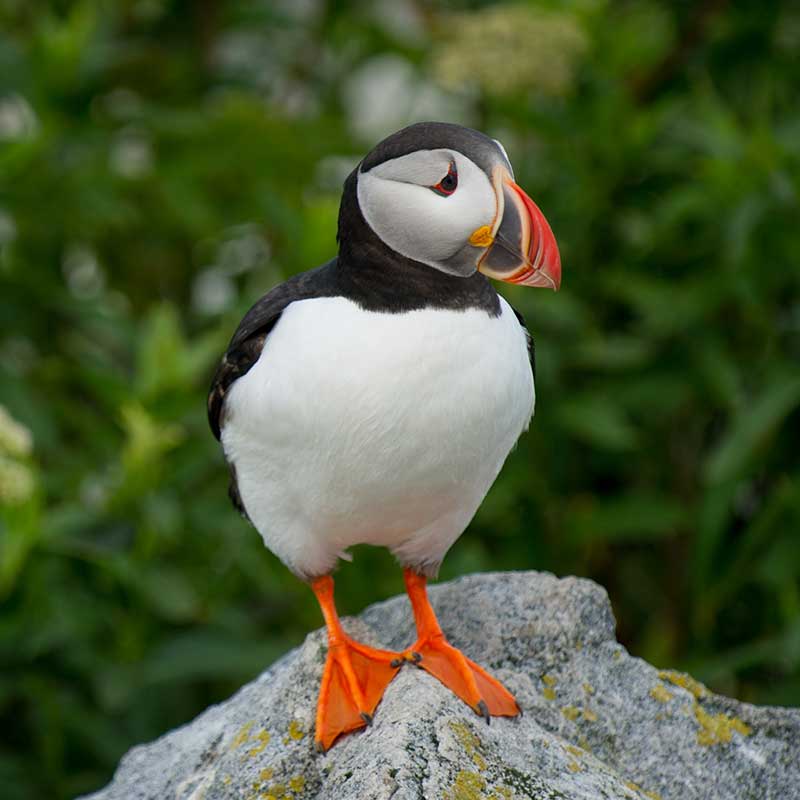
(449, 183)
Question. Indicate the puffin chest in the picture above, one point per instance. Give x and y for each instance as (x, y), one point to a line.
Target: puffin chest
(334, 376)
(346, 401)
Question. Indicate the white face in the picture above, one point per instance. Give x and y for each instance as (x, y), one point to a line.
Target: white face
(410, 203)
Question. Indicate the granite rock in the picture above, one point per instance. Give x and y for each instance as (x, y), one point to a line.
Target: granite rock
(597, 723)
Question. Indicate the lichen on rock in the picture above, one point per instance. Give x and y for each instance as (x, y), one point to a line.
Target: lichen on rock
(612, 727)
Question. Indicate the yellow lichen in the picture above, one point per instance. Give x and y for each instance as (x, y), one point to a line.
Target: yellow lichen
(685, 682)
(574, 766)
(277, 791)
(617, 655)
(636, 788)
(501, 793)
(589, 715)
(661, 693)
(242, 735)
(549, 682)
(571, 713)
(576, 751)
(588, 688)
(296, 731)
(262, 737)
(226, 779)
(717, 728)
(467, 786)
(469, 741)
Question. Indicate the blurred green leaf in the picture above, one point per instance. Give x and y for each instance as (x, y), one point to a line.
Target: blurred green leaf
(612, 352)
(147, 439)
(753, 426)
(211, 655)
(638, 516)
(20, 529)
(597, 421)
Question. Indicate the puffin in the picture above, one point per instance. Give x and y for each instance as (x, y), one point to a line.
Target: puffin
(374, 399)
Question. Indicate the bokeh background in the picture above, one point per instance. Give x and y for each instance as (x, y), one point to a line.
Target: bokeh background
(165, 162)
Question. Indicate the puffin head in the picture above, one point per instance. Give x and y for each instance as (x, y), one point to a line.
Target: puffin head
(444, 196)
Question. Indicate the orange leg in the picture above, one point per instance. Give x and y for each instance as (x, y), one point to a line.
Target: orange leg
(354, 678)
(476, 687)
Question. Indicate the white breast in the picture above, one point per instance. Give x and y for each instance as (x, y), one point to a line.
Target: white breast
(387, 429)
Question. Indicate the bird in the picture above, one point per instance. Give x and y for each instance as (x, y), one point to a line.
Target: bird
(374, 399)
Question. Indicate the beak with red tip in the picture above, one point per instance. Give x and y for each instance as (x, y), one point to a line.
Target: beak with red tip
(520, 246)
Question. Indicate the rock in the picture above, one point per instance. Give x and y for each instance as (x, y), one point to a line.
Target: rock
(597, 722)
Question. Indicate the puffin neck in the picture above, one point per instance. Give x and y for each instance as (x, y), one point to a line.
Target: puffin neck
(380, 279)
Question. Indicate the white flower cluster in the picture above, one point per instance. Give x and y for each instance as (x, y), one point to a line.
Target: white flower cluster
(510, 48)
(17, 482)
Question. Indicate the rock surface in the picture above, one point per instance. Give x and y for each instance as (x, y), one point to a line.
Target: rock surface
(598, 723)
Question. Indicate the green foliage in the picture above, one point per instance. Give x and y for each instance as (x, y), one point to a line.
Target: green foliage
(162, 164)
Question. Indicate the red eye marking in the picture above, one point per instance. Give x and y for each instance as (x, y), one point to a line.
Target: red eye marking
(449, 183)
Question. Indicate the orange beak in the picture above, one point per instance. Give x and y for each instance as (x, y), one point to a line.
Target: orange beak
(521, 246)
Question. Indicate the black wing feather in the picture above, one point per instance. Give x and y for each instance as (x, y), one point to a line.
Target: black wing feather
(248, 341)
(237, 361)
(531, 346)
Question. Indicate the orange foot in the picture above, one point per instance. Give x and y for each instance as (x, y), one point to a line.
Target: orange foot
(476, 687)
(354, 678)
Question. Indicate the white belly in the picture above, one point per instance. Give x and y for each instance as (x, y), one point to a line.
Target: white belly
(386, 429)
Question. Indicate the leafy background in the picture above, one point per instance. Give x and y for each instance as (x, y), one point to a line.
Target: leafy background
(163, 163)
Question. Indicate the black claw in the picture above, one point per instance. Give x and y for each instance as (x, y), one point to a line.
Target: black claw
(397, 662)
(318, 747)
(366, 717)
(483, 710)
(416, 657)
